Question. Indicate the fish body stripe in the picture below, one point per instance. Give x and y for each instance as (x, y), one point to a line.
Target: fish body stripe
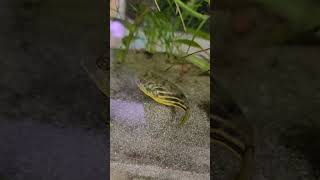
(171, 98)
(238, 151)
(171, 103)
(230, 142)
(226, 134)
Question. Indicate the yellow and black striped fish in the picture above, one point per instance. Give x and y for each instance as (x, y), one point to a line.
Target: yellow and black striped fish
(229, 128)
(163, 92)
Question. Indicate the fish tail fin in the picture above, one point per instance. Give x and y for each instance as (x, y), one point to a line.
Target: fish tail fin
(184, 118)
(247, 169)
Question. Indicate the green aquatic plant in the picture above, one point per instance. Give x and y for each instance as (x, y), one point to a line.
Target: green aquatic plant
(162, 24)
(133, 30)
(231, 129)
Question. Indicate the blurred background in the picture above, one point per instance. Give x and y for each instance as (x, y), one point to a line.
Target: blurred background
(50, 114)
(266, 54)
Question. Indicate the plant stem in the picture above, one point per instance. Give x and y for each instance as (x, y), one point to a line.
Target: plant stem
(181, 18)
(191, 11)
(194, 53)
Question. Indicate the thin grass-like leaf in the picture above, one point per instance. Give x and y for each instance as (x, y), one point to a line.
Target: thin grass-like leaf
(198, 29)
(199, 33)
(155, 1)
(188, 42)
(191, 11)
(181, 18)
(201, 63)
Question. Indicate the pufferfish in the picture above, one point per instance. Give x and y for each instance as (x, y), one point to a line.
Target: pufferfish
(163, 91)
